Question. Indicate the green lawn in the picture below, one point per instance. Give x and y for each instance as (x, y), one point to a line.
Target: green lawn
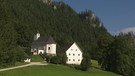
(16, 64)
(36, 58)
(95, 64)
(20, 63)
(54, 70)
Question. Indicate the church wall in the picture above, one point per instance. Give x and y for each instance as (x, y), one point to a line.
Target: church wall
(51, 48)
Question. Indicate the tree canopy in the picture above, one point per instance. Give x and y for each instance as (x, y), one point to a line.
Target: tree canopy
(21, 19)
(118, 56)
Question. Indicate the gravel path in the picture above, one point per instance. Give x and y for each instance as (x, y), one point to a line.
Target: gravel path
(32, 63)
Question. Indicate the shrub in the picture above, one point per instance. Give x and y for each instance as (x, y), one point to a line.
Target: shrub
(85, 64)
(63, 58)
(59, 59)
(55, 60)
(75, 66)
(48, 58)
(19, 54)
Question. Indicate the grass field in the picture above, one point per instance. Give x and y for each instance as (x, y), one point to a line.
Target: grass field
(55, 70)
(95, 64)
(36, 58)
(16, 64)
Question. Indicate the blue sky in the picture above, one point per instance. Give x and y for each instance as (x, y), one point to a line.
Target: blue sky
(116, 15)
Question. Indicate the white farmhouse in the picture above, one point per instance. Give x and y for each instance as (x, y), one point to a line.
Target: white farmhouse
(74, 54)
(43, 45)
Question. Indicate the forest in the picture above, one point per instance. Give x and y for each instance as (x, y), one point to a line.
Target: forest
(21, 19)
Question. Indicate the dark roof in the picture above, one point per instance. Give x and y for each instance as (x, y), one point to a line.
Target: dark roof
(66, 48)
(26, 55)
(41, 41)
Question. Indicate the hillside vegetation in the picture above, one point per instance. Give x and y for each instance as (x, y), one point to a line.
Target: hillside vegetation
(21, 19)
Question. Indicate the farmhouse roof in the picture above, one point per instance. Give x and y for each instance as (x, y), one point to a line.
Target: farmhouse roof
(67, 47)
(43, 41)
(64, 49)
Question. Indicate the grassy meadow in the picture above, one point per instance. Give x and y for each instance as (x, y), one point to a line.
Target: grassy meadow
(55, 70)
(36, 58)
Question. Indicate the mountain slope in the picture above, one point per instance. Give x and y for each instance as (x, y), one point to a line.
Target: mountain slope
(26, 17)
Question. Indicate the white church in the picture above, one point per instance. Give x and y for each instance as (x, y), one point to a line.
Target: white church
(43, 45)
(47, 45)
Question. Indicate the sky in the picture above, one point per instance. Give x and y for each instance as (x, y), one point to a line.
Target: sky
(116, 15)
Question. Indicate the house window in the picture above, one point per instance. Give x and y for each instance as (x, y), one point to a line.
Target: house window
(71, 49)
(73, 59)
(35, 51)
(69, 59)
(78, 59)
(69, 54)
(76, 49)
(78, 54)
(73, 54)
(48, 48)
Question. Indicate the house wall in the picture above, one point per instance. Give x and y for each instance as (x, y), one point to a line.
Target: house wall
(27, 60)
(34, 51)
(51, 49)
(74, 55)
(40, 51)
